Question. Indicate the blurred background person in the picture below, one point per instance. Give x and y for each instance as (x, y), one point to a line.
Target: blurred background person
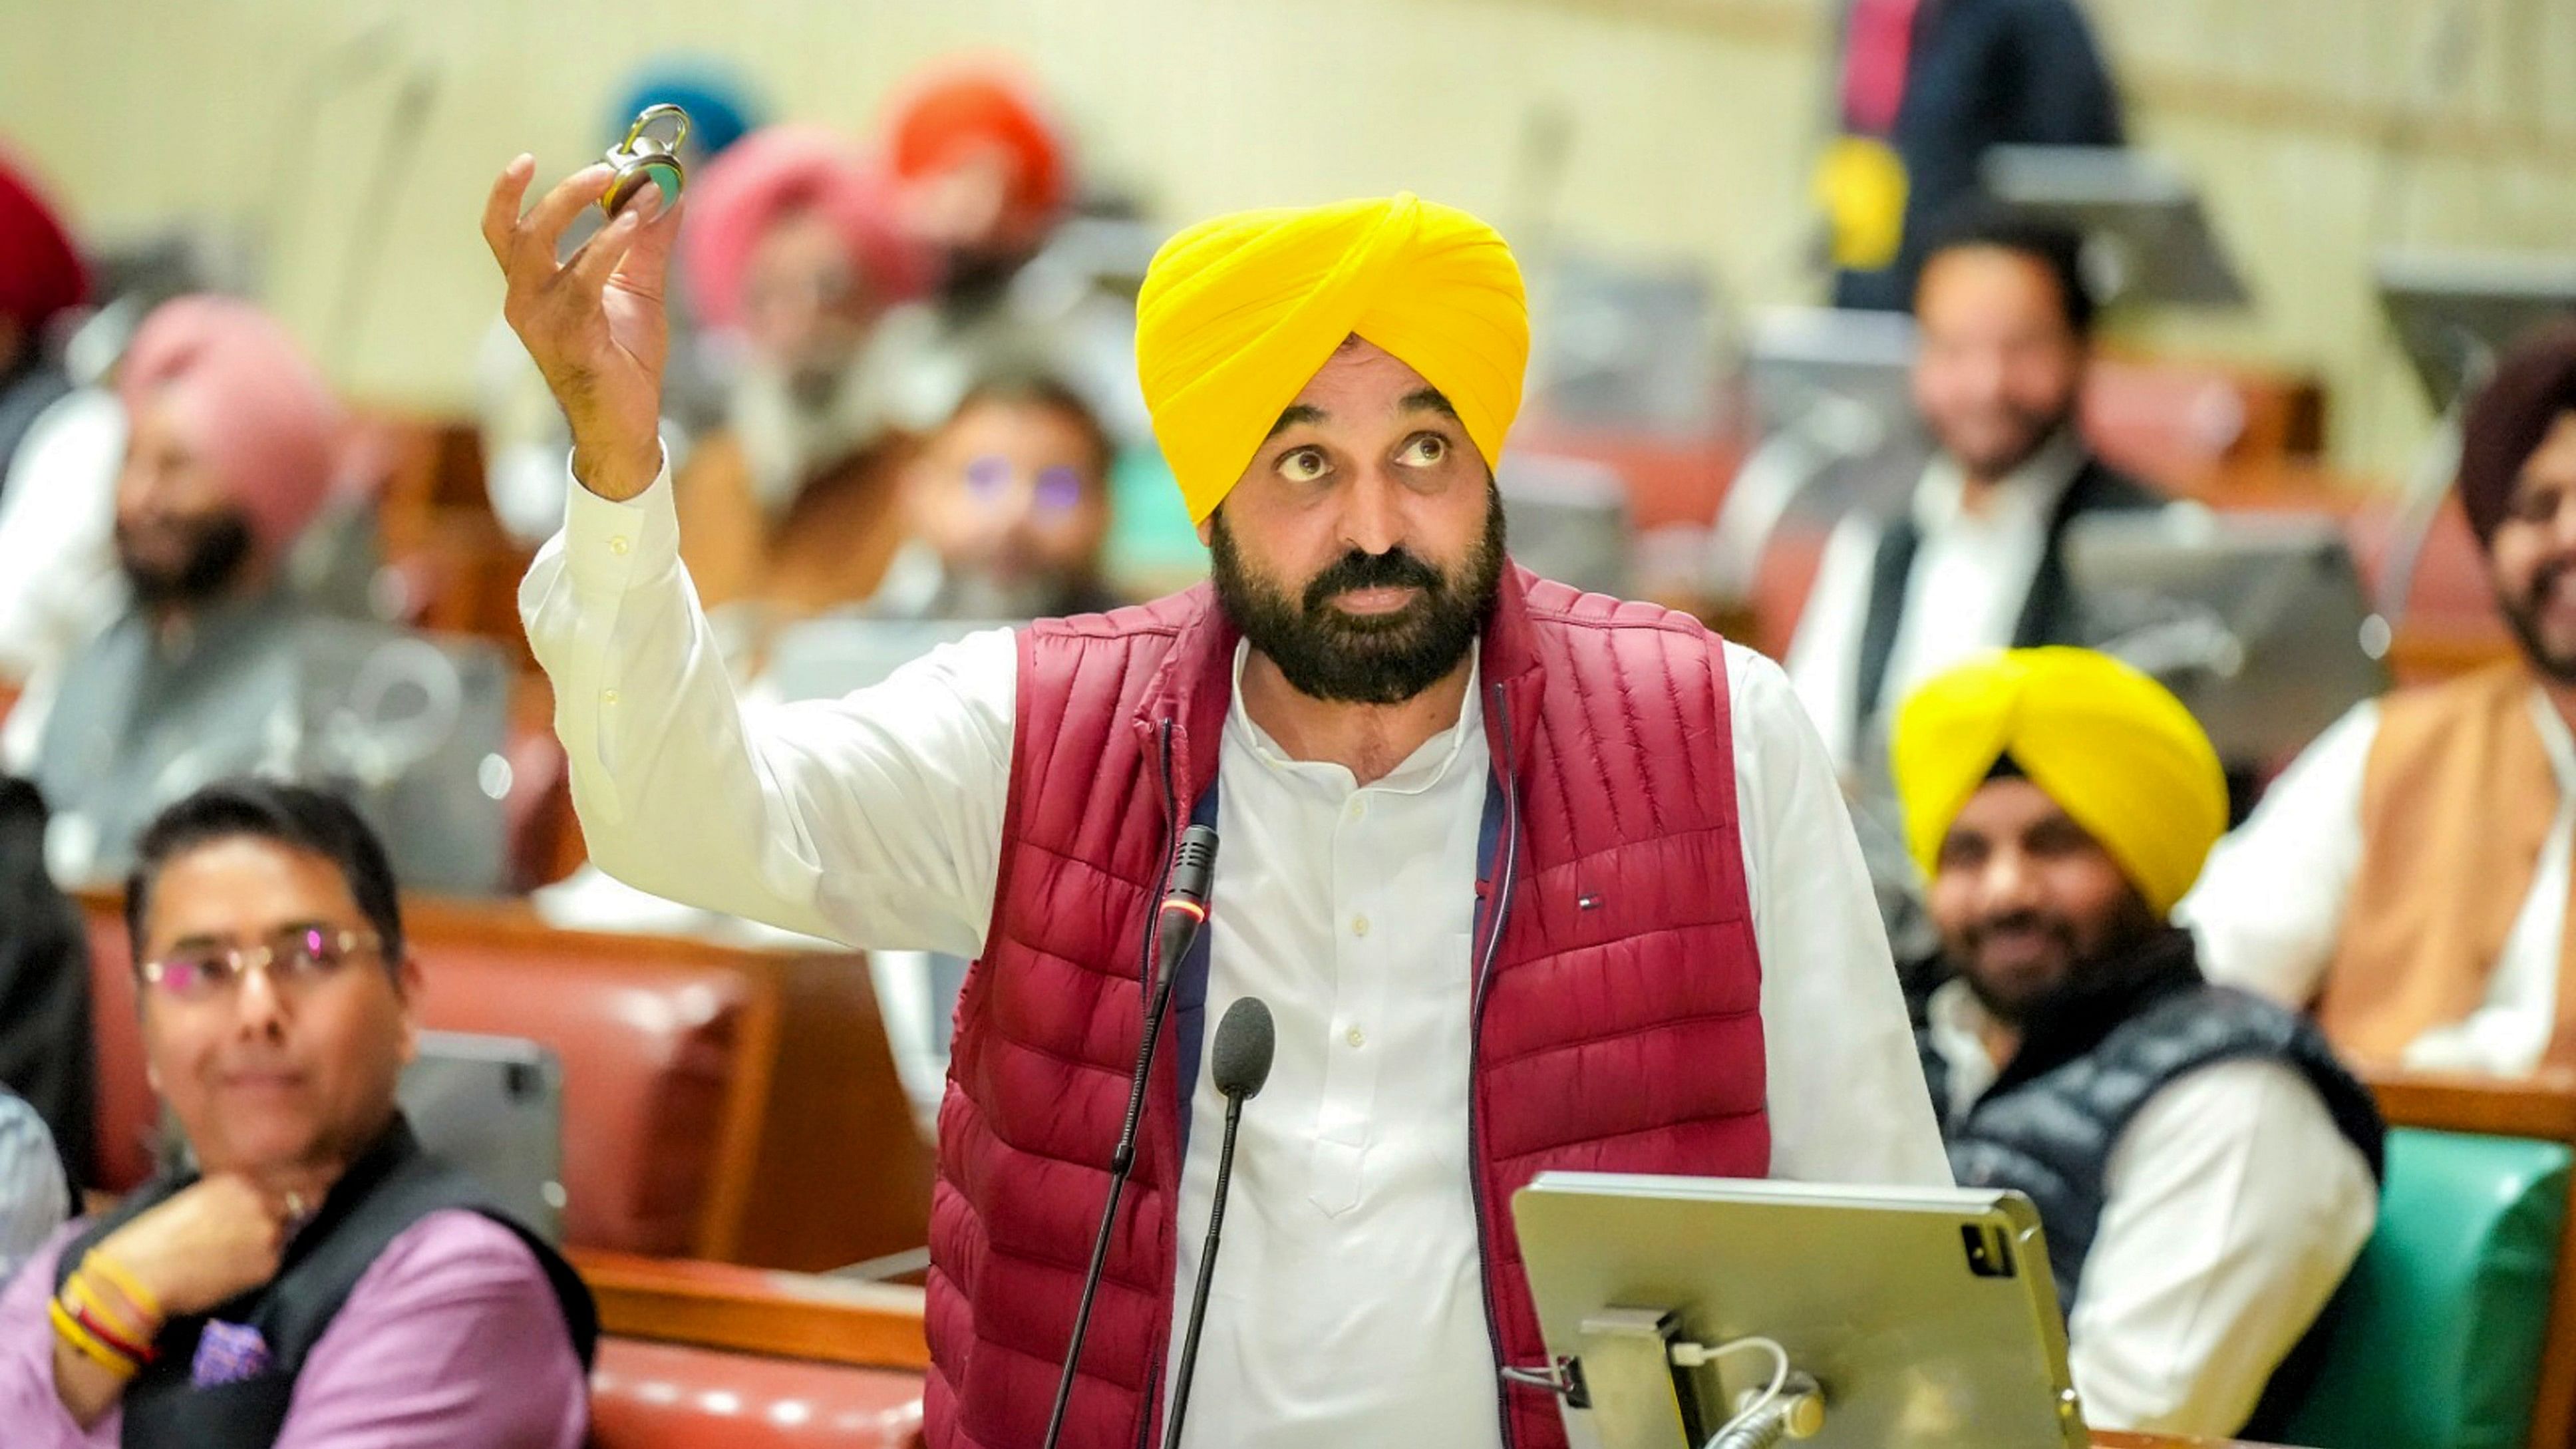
(41, 278)
(524, 438)
(2206, 1169)
(1009, 507)
(46, 1054)
(2408, 876)
(1975, 562)
(1924, 88)
(793, 505)
(986, 176)
(235, 439)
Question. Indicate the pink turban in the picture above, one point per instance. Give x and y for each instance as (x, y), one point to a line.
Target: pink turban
(40, 272)
(764, 177)
(248, 401)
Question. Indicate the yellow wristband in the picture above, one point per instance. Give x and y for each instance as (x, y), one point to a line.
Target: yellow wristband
(69, 1329)
(81, 1288)
(123, 1280)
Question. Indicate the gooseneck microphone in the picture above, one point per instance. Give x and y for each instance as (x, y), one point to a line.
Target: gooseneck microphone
(1176, 927)
(1240, 1063)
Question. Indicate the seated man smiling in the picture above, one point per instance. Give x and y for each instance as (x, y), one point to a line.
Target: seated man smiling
(317, 1280)
(2205, 1170)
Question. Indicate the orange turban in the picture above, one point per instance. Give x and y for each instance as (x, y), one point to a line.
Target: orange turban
(1238, 313)
(953, 110)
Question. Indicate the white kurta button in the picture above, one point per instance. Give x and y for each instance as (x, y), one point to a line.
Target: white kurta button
(617, 545)
(1355, 1037)
(1359, 925)
(608, 696)
(1358, 807)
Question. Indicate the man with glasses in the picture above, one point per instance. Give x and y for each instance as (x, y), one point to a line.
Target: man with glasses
(1009, 507)
(316, 1279)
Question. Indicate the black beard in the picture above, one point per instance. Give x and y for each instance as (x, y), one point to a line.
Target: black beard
(1330, 655)
(2519, 616)
(2131, 927)
(218, 548)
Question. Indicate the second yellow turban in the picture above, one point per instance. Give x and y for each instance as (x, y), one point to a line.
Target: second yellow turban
(2117, 752)
(1239, 312)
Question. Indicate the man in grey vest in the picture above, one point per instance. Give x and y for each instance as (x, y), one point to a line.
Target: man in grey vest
(2205, 1169)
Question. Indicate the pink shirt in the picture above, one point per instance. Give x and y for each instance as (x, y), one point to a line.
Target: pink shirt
(451, 1339)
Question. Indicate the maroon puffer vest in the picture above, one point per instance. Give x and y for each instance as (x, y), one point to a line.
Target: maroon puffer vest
(1618, 1022)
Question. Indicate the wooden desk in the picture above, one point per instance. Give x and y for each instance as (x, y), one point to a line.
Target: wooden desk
(798, 1315)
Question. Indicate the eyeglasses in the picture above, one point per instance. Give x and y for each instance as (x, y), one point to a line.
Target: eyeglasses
(1059, 488)
(293, 958)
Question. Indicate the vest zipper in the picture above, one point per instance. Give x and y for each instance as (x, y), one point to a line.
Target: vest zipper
(1145, 1422)
(1501, 903)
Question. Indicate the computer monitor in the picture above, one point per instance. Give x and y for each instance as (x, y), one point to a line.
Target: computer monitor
(828, 657)
(2145, 236)
(2454, 311)
(492, 1108)
(412, 727)
(1925, 1317)
(1568, 520)
(1626, 347)
(2257, 621)
(1832, 395)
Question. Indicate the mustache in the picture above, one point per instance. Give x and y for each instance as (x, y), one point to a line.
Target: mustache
(1394, 568)
(2545, 580)
(2056, 927)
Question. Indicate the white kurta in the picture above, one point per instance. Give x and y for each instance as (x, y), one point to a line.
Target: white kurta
(2232, 1208)
(2270, 905)
(1348, 1309)
(1964, 595)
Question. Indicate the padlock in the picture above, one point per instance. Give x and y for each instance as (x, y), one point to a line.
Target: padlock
(646, 158)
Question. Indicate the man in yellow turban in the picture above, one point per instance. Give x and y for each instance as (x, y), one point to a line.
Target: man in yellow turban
(2204, 1167)
(1527, 878)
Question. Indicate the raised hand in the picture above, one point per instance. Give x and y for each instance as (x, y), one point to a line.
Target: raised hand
(595, 324)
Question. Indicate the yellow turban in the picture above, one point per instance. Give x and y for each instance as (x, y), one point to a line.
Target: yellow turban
(2116, 751)
(1239, 312)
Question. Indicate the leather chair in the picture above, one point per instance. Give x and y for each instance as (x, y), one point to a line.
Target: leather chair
(2457, 1326)
(678, 1396)
(742, 1357)
(721, 1104)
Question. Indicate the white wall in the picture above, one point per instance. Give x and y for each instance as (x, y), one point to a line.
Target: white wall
(1690, 124)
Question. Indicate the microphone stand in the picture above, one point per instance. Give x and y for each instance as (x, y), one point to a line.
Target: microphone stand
(1207, 1272)
(1239, 1064)
(1187, 900)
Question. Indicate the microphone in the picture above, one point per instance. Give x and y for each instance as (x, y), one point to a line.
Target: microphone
(1240, 1063)
(1176, 928)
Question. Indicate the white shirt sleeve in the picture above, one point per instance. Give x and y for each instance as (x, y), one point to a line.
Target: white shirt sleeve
(2234, 1208)
(1847, 1097)
(1824, 655)
(2270, 903)
(33, 1197)
(873, 820)
(58, 578)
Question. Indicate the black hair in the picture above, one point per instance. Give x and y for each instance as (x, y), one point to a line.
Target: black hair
(1035, 389)
(294, 816)
(2054, 246)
